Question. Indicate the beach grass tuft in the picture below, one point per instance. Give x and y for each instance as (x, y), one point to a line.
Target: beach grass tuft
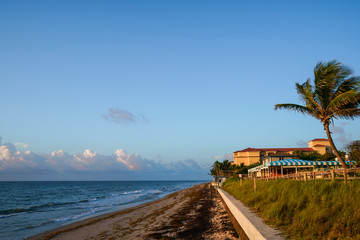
(304, 210)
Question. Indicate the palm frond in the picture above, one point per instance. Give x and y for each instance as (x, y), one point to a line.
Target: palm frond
(347, 85)
(344, 99)
(295, 108)
(323, 87)
(335, 93)
(306, 94)
(348, 113)
(328, 78)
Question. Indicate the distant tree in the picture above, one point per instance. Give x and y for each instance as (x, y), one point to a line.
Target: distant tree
(223, 167)
(315, 156)
(297, 153)
(329, 156)
(311, 156)
(226, 165)
(215, 168)
(353, 148)
(334, 94)
(244, 169)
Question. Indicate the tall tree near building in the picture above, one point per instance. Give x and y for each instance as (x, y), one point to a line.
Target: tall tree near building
(353, 149)
(335, 94)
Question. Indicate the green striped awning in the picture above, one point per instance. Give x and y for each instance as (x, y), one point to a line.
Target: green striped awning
(299, 162)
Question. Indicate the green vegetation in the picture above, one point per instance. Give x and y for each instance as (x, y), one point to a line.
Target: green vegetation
(228, 169)
(334, 94)
(353, 148)
(244, 169)
(304, 210)
(315, 156)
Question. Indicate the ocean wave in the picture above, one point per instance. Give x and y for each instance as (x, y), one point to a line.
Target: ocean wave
(45, 206)
(132, 192)
(35, 226)
(79, 215)
(14, 211)
(12, 214)
(154, 191)
(33, 211)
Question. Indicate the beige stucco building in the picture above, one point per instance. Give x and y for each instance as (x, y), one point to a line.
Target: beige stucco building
(321, 145)
(252, 155)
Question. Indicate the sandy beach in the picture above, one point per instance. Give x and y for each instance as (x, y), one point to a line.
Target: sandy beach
(194, 213)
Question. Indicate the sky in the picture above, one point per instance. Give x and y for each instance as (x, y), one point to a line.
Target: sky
(159, 90)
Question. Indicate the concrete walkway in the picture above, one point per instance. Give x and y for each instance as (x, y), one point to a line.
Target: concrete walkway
(250, 222)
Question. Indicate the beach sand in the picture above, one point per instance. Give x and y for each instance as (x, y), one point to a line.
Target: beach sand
(195, 213)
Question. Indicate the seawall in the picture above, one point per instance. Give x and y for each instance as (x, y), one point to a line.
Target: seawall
(253, 226)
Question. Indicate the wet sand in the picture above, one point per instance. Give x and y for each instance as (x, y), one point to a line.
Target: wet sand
(195, 213)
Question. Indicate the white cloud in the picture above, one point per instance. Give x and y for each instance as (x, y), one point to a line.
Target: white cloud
(59, 153)
(89, 163)
(84, 160)
(340, 135)
(23, 145)
(187, 164)
(337, 130)
(11, 147)
(227, 156)
(11, 159)
(302, 144)
(133, 161)
(89, 154)
(5, 153)
(120, 116)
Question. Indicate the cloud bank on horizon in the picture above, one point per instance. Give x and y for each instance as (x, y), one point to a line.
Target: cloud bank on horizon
(90, 165)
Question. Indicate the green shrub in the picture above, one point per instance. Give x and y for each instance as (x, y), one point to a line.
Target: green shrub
(304, 210)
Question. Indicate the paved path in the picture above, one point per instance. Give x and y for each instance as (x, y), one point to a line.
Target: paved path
(250, 222)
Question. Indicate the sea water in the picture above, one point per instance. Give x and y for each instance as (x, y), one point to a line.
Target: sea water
(29, 208)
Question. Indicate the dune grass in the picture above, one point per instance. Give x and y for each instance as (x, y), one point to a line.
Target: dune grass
(304, 210)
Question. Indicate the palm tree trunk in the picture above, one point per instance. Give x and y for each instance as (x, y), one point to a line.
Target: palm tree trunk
(326, 126)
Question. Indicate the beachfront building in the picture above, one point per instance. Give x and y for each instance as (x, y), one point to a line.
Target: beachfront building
(253, 155)
(321, 145)
(287, 167)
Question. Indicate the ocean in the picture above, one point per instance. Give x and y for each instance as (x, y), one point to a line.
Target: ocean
(29, 208)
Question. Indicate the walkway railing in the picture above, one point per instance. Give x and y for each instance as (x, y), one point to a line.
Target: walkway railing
(345, 174)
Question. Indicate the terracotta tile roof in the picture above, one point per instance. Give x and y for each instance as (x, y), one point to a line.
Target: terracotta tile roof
(281, 154)
(319, 139)
(276, 149)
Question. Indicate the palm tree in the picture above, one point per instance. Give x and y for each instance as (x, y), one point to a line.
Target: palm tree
(334, 95)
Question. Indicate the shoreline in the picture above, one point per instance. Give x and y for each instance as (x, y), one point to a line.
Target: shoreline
(94, 219)
(179, 214)
(31, 208)
(84, 222)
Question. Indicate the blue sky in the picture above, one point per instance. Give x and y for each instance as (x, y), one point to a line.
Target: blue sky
(175, 85)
